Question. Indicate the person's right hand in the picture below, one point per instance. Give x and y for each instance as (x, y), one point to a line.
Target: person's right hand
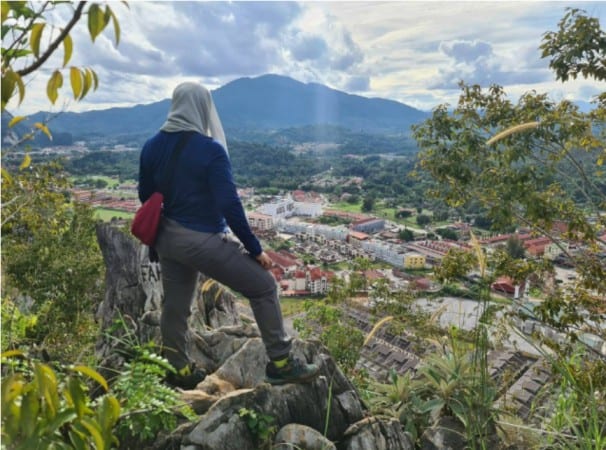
(264, 260)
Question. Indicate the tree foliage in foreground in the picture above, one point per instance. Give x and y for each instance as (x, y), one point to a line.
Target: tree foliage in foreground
(29, 39)
(536, 164)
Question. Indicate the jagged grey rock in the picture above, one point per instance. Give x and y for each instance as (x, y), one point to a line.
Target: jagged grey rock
(295, 436)
(246, 367)
(133, 298)
(447, 434)
(233, 354)
(373, 433)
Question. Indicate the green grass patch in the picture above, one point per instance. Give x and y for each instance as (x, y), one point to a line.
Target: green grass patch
(343, 265)
(106, 214)
(292, 306)
(385, 213)
(347, 207)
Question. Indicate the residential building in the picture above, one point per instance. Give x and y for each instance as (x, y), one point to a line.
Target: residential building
(414, 261)
(287, 207)
(356, 238)
(261, 222)
(384, 251)
(369, 226)
(284, 260)
(317, 281)
(279, 209)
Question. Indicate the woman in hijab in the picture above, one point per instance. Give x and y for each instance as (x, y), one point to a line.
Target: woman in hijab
(192, 237)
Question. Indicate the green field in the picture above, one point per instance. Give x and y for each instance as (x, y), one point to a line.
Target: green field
(111, 181)
(106, 215)
(347, 207)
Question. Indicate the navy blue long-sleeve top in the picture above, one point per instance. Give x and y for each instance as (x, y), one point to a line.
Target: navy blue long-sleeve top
(202, 195)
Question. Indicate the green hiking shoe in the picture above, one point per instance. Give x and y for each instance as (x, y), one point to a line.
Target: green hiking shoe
(295, 371)
(187, 378)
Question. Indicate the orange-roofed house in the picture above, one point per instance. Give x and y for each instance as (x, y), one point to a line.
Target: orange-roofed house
(506, 285)
(355, 238)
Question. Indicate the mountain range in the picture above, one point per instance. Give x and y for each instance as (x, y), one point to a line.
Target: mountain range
(252, 105)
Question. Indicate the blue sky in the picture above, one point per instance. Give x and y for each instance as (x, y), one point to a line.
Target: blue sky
(413, 52)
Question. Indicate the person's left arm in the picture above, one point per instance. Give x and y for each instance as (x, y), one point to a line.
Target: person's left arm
(226, 198)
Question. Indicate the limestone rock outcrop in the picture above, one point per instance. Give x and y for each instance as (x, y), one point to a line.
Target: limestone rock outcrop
(233, 354)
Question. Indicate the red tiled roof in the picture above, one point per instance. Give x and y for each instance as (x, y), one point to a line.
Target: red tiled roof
(281, 259)
(358, 235)
(367, 220)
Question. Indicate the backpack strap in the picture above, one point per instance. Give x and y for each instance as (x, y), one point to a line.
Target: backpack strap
(166, 181)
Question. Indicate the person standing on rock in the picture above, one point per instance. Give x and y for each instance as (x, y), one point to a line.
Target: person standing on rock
(193, 237)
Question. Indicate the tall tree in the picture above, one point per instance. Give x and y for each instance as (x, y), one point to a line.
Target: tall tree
(50, 260)
(534, 163)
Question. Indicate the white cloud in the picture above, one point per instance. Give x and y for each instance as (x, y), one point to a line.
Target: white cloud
(414, 52)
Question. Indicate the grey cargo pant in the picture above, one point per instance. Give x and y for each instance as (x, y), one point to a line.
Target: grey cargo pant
(183, 253)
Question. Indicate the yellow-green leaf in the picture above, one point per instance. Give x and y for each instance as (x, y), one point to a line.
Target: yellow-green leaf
(53, 85)
(77, 439)
(96, 21)
(91, 373)
(599, 162)
(10, 79)
(12, 387)
(34, 37)
(5, 10)
(75, 77)
(116, 25)
(93, 429)
(27, 160)
(95, 79)
(7, 180)
(20, 86)
(88, 81)
(108, 412)
(68, 47)
(44, 129)
(63, 417)
(30, 406)
(47, 384)
(77, 396)
(15, 120)
(11, 353)
(8, 86)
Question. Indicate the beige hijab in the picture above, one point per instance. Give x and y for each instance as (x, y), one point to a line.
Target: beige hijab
(193, 109)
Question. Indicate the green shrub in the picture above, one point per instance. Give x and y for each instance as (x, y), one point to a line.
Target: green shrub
(41, 410)
(149, 405)
(260, 426)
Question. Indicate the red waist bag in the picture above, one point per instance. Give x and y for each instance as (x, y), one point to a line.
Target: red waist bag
(147, 218)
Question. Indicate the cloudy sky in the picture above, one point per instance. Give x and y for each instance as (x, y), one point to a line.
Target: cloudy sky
(413, 52)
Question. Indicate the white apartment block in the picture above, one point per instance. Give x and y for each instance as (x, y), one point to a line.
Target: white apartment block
(390, 253)
(280, 209)
(308, 209)
(329, 233)
(287, 207)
